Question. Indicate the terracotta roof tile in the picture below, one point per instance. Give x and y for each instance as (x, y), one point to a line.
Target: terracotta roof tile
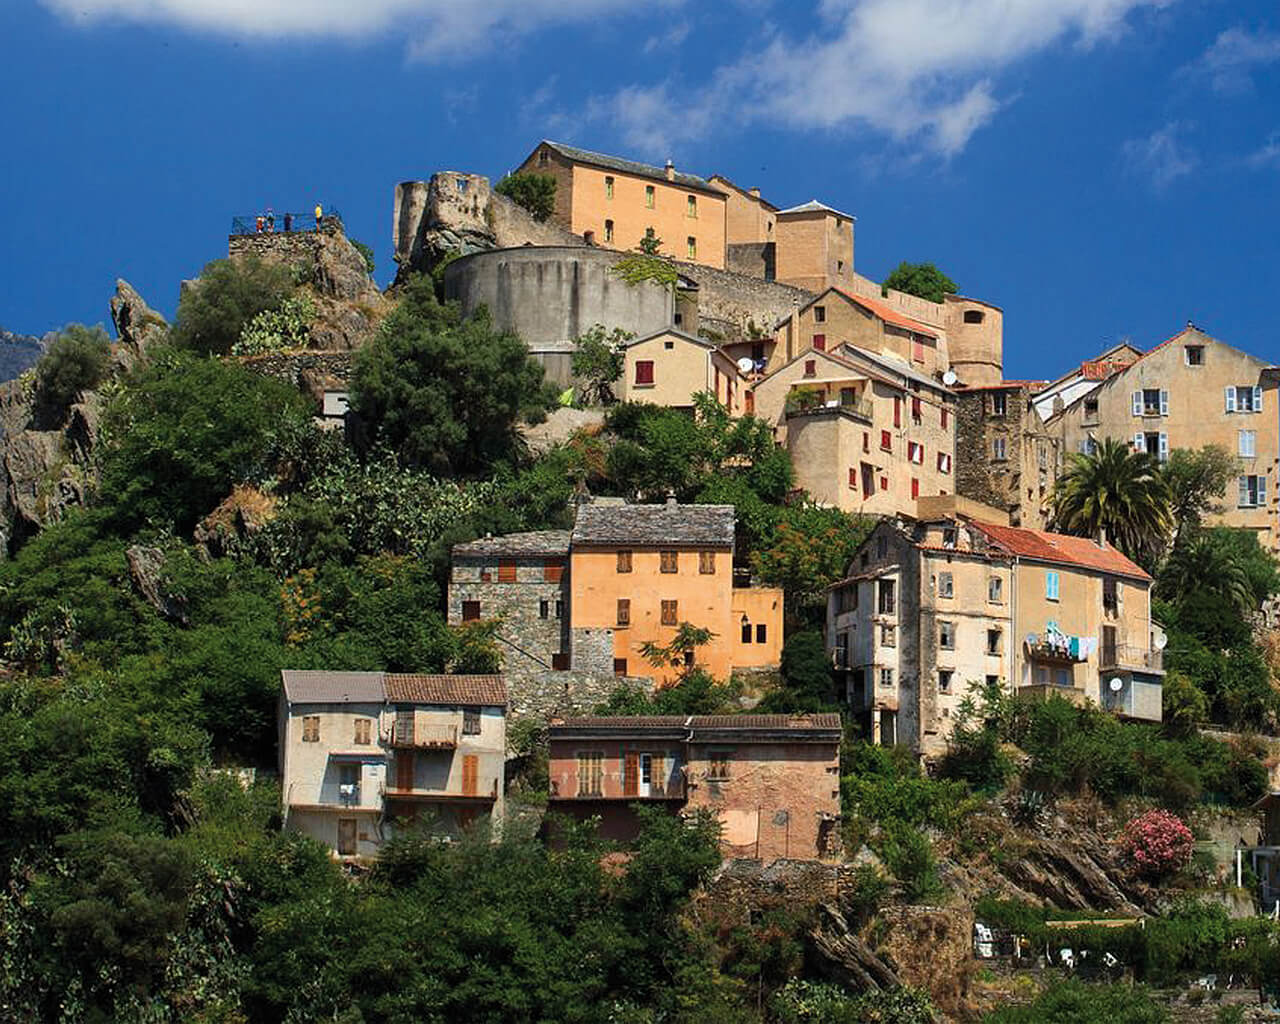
(486, 691)
(1061, 549)
(888, 314)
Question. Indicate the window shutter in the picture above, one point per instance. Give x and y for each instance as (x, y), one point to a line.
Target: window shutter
(1164, 446)
(1137, 403)
(1244, 492)
(1139, 442)
(1164, 401)
(631, 775)
(1262, 491)
(1257, 399)
(470, 787)
(1231, 399)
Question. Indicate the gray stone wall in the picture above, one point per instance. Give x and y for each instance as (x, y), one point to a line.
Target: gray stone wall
(277, 246)
(753, 259)
(731, 302)
(311, 372)
(1004, 484)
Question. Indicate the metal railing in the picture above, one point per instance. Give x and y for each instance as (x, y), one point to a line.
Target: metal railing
(272, 223)
(422, 737)
(673, 790)
(392, 792)
(1126, 656)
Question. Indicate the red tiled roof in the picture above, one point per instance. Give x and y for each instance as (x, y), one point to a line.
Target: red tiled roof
(888, 314)
(488, 691)
(1062, 549)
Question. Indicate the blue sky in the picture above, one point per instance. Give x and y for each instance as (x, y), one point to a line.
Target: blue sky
(1099, 168)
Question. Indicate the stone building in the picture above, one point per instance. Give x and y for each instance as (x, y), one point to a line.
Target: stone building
(1055, 396)
(1189, 391)
(360, 751)
(934, 606)
(772, 780)
(1005, 456)
(866, 433)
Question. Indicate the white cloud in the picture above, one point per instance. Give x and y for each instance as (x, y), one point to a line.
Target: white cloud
(1266, 157)
(917, 71)
(668, 40)
(1161, 157)
(1234, 55)
(435, 29)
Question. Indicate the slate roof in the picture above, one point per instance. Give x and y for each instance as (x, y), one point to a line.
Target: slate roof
(694, 723)
(536, 542)
(324, 687)
(1060, 549)
(851, 353)
(654, 525)
(674, 332)
(617, 163)
(813, 206)
(486, 691)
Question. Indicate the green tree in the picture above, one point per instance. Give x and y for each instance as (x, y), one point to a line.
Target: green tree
(808, 550)
(183, 432)
(1074, 1002)
(1201, 566)
(445, 393)
(75, 361)
(680, 652)
(365, 251)
(214, 310)
(922, 279)
(535, 192)
(1116, 495)
(598, 362)
(650, 244)
(808, 682)
(1197, 479)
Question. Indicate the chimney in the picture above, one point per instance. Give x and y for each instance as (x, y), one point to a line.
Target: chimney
(671, 171)
(754, 191)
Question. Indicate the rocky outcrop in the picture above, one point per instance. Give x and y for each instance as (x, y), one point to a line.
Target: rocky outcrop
(138, 326)
(146, 571)
(18, 352)
(233, 525)
(839, 955)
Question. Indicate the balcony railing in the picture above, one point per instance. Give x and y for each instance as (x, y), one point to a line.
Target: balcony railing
(391, 792)
(422, 737)
(1054, 647)
(1044, 691)
(1125, 656)
(673, 790)
(860, 410)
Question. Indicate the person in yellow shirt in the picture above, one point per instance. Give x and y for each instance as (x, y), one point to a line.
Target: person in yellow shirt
(319, 215)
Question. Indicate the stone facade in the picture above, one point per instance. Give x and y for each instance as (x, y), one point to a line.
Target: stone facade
(311, 372)
(1005, 456)
(730, 304)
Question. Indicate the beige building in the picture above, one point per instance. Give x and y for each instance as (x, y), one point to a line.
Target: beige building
(837, 317)
(1055, 396)
(866, 434)
(1189, 391)
(933, 606)
(360, 751)
(615, 203)
(815, 247)
(669, 367)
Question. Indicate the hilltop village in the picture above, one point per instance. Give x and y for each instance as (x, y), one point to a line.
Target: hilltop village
(632, 580)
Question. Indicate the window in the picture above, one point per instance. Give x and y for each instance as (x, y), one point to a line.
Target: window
(820, 342)
(619, 666)
(1051, 585)
(993, 641)
(624, 561)
(810, 367)
(1248, 444)
(362, 731)
(917, 414)
(888, 635)
(670, 613)
(1194, 354)
(915, 488)
(995, 590)
(746, 632)
(946, 418)
(691, 247)
(947, 636)
(718, 764)
(998, 449)
(470, 611)
(544, 158)
(866, 440)
(993, 680)
(915, 452)
(506, 570)
(886, 441)
(974, 316)
(544, 609)
(560, 609)
(1155, 402)
(917, 350)
(462, 184)
(670, 561)
(886, 678)
(853, 478)
(1091, 409)
(944, 680)
(886, 603)
(999, 403)
(591, 773)
(944, 462)
(819, 314)
(470, 721)
(552, 570)
(946, 585)
(1244, 398)
(762, 633)
(608, 189)
(648, 198)
(1253, 491)
(897, 411)
(949, 537)
(1110, 594)
(691, 207)
(707, 563)
(608, 231)
(310, 728)
(624, 611)
(868, 479)
(644, 372)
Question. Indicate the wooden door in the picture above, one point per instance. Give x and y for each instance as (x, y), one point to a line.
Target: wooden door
(470, 772)
(346, 836)
(658, 773)
(404, 769)
(631, 775)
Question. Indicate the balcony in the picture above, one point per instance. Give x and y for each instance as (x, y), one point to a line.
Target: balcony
(422, 737)
(1043, 691)
(807, 403)
(1123, 656)
(441, 795)
(673, 790)
(1054, 647)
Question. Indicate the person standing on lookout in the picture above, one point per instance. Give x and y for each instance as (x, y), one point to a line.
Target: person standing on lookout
(319, 215)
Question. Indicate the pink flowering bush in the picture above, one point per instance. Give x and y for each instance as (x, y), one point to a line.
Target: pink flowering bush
(1159, 842)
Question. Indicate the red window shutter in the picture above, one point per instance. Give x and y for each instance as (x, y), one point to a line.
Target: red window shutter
(631, 775)
(945, 413)
(915, 488)
(886, 440)
(810, 367)
(884, 483)
(897, 411)
(751, 403)
(853, 478)
(644, 371)
(552, 571)
(866, 441)
(917, 350)
(506, 571)
(915, 408)
(820, 342)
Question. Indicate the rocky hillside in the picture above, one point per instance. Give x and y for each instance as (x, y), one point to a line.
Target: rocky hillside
(18, 352)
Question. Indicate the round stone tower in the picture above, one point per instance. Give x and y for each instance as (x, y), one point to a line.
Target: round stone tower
(975, 340)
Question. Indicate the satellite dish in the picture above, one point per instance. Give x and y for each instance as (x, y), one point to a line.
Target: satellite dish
(1116, 684)
(745, 365)
(949, 378)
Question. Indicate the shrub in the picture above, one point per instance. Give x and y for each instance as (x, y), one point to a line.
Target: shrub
(909, 855)
(275, 330)
(75, 360)
(367, 252)
(535, 192)
(1158, 842)
(214, 311)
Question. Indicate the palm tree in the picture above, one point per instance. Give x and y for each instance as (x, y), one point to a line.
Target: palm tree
(1117, 495)
(1202, 565)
